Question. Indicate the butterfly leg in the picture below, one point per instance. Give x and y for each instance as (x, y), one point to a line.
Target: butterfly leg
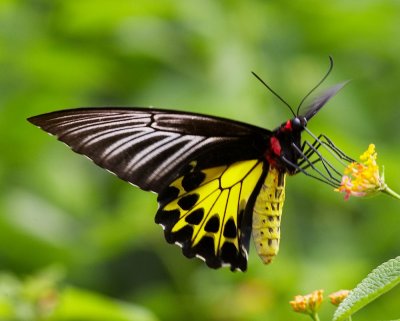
(328, 173)
(325, 142)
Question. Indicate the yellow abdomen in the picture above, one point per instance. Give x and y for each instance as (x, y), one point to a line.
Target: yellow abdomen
(267, 215)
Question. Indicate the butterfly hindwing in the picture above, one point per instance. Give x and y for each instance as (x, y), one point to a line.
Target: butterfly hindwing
(204, 211)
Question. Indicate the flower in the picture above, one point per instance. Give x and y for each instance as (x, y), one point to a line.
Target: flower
(338, 297)
(363, 178)
(308, 304)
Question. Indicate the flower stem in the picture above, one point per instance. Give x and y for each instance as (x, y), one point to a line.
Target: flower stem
(314, 316)
(390, 192)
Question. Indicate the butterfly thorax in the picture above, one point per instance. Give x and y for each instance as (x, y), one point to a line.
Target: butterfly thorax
(280, 151)
(268, 206)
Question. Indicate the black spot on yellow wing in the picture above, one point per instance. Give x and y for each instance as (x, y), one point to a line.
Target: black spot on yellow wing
(212, 224)
(195, 217)
(230, 229)
(188, 201)
(170, 193)
(204, 210)
(192, 180)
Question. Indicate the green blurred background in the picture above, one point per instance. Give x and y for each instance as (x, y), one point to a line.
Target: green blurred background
(79, 244)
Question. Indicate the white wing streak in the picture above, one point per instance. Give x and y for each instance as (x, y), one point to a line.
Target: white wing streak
(142, 156)
(109, 134)
(124, 143)
(72, 127)
(170, 162)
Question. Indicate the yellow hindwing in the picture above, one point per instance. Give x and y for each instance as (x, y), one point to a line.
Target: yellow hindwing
(202, 211)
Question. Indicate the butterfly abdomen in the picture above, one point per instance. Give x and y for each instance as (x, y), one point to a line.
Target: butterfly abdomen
(267, 215)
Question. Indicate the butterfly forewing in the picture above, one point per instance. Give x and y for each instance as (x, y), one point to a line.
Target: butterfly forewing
(149, 147)
(203, 212)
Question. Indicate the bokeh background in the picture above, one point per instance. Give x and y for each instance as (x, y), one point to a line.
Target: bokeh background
(76, 243)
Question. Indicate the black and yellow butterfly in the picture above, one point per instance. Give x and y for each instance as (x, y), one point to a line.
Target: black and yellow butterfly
(218, 181)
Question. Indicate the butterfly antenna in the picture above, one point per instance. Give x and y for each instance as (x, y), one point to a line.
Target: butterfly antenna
(317, 85)
(274, 92)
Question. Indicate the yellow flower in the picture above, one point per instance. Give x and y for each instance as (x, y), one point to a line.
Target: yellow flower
(363, 178)
(308, 304)
(338, 297)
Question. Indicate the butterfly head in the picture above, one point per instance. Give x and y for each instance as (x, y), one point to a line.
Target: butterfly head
(296, 124)
(281, 144)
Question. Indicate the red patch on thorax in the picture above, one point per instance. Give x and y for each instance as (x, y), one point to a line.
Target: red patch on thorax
(288, 126)
(275, 146)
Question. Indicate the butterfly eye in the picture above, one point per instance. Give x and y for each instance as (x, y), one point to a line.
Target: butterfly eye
(299, 123)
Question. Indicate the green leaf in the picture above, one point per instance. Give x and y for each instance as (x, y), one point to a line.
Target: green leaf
(379, 281)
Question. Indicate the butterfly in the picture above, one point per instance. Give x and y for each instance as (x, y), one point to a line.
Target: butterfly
(218, 181)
